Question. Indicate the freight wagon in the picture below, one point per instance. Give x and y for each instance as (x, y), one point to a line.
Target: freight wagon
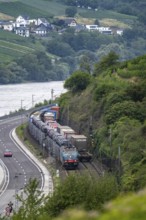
(61, 141)
(80, 142)
(55, 143)
(76, 140)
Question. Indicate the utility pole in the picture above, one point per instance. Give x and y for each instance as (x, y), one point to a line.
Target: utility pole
(91, 128)
(68, 115)
(110, 139)
(21, 104)
(33, 101)
(21, 110)
(52, 93)
(16, 191)
(110, 142)
(119, 160)
(43, 145)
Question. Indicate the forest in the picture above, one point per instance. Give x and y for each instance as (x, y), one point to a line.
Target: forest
(114, 96)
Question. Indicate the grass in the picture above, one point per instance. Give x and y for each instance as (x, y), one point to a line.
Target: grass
(52, 7)
(15, 9)
(33, 8)
(108, 17)
(5, 17)
(13, 46)
(5, 58)
(100, 14)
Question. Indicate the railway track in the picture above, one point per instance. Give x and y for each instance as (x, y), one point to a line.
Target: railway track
(94, 169)
(90, 169)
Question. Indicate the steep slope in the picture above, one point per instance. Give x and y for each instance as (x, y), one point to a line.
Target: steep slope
(112, 109)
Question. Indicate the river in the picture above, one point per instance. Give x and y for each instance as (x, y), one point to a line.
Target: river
(16, 96)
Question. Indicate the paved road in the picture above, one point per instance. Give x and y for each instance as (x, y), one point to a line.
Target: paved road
(19, 168)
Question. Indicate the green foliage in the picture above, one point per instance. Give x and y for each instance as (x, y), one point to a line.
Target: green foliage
(70, 11)
(37, 65)
(137, 92)
(109, 61)
(109, 87)
(118, 121)
(31, 202)
(128, 108)
(134, 68)
(129, 207)
(78, 81)
(59, 48)
(63, 100)
(12, 73)
(115, 97)
(81, 191)
(85, 64)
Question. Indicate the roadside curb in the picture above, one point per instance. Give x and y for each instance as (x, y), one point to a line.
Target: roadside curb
(2, 176)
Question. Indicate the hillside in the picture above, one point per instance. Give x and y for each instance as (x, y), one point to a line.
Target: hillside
(33, 8)
(67, 47)
(112, 110)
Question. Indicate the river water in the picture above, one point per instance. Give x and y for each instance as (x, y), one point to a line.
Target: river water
(14, 97)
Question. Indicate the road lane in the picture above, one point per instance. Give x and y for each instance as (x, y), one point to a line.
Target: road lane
(20, 167)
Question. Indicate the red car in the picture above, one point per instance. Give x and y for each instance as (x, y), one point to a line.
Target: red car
(7, 153)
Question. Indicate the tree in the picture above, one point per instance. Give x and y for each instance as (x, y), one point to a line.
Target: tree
(71, 11)
(85, 64)
(96, 22)
(81, 191)
(31, 201)
(59, 48)
(106, 62)
(142, 18)
(78, 81)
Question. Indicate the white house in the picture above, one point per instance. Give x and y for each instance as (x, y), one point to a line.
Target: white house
(40, 30)
(22, 21)
(71, 22)
(42, 21)
(119, 32)
(22, 31)
(92, 27)
(32, 21)
(104, 30)
(7, 25)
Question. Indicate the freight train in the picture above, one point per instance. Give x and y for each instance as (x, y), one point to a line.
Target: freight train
(61, 142)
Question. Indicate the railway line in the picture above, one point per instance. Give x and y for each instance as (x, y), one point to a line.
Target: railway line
(83, 168)
(62, 143)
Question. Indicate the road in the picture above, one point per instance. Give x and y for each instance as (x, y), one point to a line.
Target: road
(20, 168)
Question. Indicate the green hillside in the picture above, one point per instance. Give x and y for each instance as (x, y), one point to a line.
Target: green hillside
(115, 99)
(15, 9)
(33, 8)
(50, 7)
(13, 46)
